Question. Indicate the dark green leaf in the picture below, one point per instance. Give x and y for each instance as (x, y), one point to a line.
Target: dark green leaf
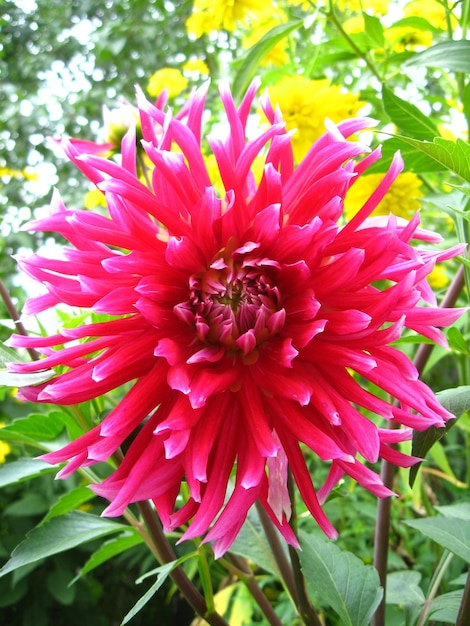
(110, 549)
(344, 583)
(407, 117)
(23, 469)
(449, 532)
(70, 501)
(57, 535)
(457, 402)
(447, 55)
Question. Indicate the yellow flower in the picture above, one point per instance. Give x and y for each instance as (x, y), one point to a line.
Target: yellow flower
(434, 12)
(377, 7)
(210, 15)
(305, 104)
(401, 199)
(26, 174)
(167, 78)
(4, 447)
(438, 278)
(277, 55)
(196, 66)
(94, 198)
(4, 450)
(403, 38)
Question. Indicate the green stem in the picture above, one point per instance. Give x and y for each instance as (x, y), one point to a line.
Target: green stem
(441, 570)
(463, 617)
(166, 555)
(241, 569)
(382, 528)
(331, 15)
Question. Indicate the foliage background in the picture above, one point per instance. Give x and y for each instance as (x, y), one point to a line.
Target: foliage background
(59, 64)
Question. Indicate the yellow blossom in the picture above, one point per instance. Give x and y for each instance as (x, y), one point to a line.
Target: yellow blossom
(168, 78)
(377, 7)
(438, 278)
(94, 198)
(11, 173)
(306, 104)
(197, 66)
(401, 38)
(210, 15)
(4, 447)
(402, 199)
(434, 12)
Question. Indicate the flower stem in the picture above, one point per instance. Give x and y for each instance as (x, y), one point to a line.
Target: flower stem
(244, 573)
(14, 315)
(382, 528)
(166, 555)
(463, 616)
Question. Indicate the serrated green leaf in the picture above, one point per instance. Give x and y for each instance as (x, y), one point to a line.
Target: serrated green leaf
(57, 535)
(450, 533)
(70, 501)
(403, 589)
(447, 55)
(407, 117)
(415, 160)
(37, 427)
(251, 62)
(344, 583)
(15, 379)
(23, 469)
(110, 549)
(453, 155)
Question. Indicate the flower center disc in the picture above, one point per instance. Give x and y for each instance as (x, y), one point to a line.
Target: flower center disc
(236, 306)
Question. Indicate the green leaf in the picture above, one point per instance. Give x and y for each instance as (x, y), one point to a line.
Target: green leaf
(452, 155)
(447, 55)
(460, 510)
(374, 29)
(344, 583)
(29, 504)
(457, 402)
(15, 379)
(251, 62)
(415, 160)
(445, 608)
(110, 549)
(163, 572)
(403, 589)
(450, 533)
(457, 341)
(407, 117)
(23, 469)
(40, 428)
(251, 543)
(57, 535)
(8, 355)
(70, 501)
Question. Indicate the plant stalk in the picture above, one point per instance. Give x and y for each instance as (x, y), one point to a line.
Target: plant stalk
(382, 528)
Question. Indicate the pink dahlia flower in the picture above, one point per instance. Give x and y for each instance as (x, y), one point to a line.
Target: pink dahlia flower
(246, 322)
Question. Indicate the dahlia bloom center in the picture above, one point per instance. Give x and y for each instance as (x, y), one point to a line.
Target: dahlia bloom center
(235, 304)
